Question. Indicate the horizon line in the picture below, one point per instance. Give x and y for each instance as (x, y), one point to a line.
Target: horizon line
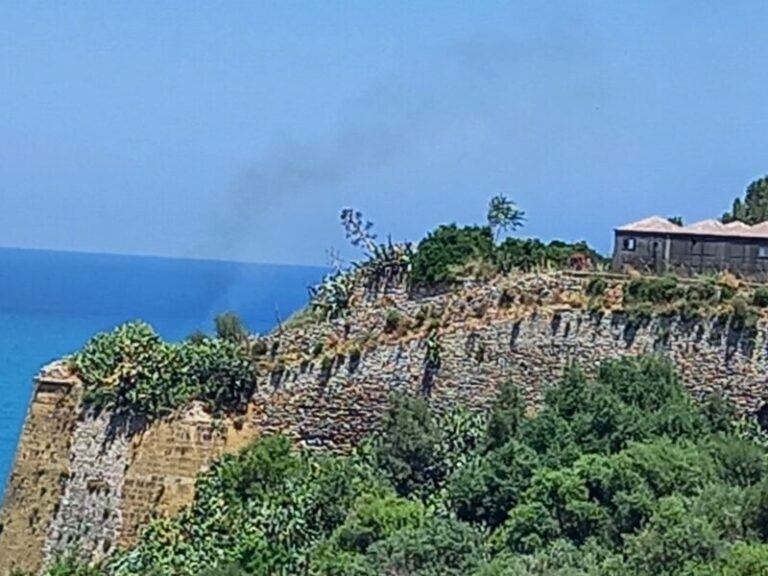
(159, 256)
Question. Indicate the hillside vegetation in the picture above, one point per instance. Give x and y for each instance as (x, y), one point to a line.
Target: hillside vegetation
(624, 474)
(621, 475)
(131, 370)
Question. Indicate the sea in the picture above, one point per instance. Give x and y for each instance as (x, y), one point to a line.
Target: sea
(52, 302)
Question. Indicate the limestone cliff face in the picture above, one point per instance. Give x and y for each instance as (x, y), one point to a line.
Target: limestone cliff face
(95, 481)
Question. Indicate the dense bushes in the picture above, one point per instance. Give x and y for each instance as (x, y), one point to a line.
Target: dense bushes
(620, 475)
(644, 296)
(654, 290)
(760, 297)
(230, 327)
(447, 247)
(445, 251)
(525, 254)
(132, 370)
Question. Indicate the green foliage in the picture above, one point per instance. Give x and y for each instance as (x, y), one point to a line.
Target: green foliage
(756, 510)
(673, 541)
(450, 253)
(406, 452)
(197, 337)
(506, 416)
(374, 518)
(488, 487)
(596, 286)
(645, 296)
(131, 370)
(654, 290)
(740, 462)
(526, 254)
(760, 297)
(229, 570)
(230, 327)
(504, 215)
(392, 321)
(743, 316)
(754, 208)
(220, 372)
(68, 565)
(446, 248)
(441, 546)
(621, 474)
(742, 559)
(727, 292)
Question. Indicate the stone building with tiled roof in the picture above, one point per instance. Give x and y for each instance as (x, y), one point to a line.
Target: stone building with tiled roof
(656, 245)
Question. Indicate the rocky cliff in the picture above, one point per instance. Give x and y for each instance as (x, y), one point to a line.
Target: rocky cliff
(92, 481)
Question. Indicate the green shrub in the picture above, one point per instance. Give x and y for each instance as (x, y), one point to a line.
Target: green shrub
(760, 297)
(230, 327)
(689, 310)
(68, 565)
(131, 370)
(220, 372)
(704, 292)
(446, 248)
(621, 473)
(743, 316)
(596, 286)
(662, 290)
(639, 313)
(726, 292)
(525, 253)
(392, 321)
(197, 336)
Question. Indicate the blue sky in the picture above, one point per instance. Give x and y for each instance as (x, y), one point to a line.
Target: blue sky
(240, 129)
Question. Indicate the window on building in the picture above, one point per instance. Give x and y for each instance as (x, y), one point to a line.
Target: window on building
(630, 244)
(762, 251)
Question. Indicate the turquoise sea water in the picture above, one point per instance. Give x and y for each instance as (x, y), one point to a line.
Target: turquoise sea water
(52, 302)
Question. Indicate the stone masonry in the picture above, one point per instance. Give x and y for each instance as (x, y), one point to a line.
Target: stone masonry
(95, 483)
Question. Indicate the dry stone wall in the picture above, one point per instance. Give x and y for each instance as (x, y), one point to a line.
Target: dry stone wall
(104, 480)
(40, 472)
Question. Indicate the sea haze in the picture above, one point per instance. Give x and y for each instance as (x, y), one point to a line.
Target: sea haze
(51, 303)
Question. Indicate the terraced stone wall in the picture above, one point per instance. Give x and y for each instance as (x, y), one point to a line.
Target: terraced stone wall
(94, 481)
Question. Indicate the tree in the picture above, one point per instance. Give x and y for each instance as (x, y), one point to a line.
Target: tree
(507, 414)
(446, 248)
(485, 490)
(407, 452)
(230, 327)
(440, 546)
(672, 540)
(374, 518)
(504, 215)
(754, 208)
(676, 220)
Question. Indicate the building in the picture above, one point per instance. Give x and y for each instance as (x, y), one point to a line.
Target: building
(656, 245)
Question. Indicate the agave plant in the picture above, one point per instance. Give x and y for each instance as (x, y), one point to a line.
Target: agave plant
(331, 297)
